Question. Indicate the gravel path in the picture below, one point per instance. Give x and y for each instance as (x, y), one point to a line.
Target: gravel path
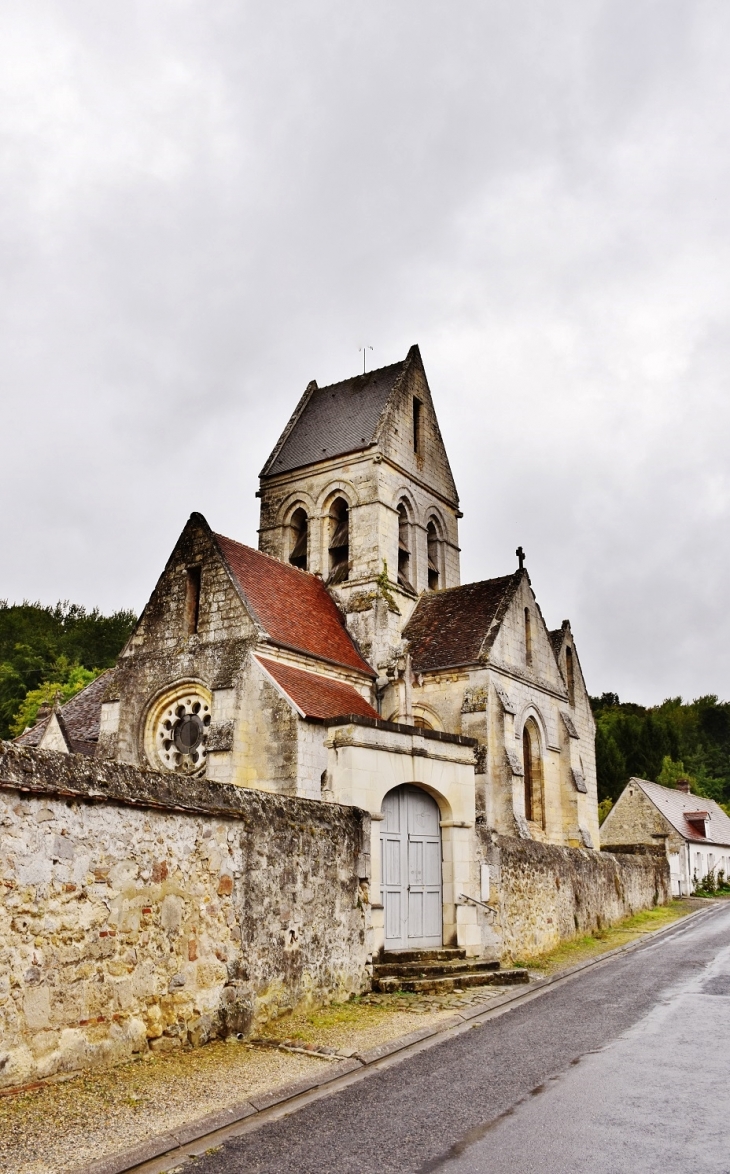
(63, 1124)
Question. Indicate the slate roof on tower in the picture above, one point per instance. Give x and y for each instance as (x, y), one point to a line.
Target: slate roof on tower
(291, 606)
(449, 628)
(337, 419)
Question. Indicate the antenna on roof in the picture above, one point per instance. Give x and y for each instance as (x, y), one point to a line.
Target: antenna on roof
(364, 350)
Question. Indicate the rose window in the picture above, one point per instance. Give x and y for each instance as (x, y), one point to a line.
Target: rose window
(181, 729)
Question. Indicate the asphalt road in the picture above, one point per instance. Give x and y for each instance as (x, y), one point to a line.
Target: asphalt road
(623, 1068)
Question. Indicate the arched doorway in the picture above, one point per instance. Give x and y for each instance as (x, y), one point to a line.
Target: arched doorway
(410, 846)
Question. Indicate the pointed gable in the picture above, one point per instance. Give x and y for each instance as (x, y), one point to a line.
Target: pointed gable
(678, 807)
(291, 606)
(450, 628)
(78, 719)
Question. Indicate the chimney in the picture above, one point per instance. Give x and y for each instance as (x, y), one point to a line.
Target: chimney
(682, 784)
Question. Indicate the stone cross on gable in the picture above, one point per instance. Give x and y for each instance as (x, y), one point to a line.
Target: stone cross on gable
(521, 556)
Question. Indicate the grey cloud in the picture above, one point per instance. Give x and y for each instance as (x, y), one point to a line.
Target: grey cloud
(203, 206)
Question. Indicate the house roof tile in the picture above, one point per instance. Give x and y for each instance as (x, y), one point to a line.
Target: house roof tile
(292, 606)
(675, 806)
(317, 696)
(330, 421)
(448, 628)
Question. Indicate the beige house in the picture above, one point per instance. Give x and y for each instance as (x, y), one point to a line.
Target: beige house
(695, 831)
(344, 661)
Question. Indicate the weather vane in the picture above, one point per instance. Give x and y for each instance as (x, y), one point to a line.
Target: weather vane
(364, 350)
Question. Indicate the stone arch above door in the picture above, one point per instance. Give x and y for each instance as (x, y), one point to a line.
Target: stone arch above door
(411, 869)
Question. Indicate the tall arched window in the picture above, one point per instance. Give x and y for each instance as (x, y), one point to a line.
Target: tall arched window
(528, 637)
(434, 556)
(299, 527)
(404, 548)
(532, 762)
(339, 541)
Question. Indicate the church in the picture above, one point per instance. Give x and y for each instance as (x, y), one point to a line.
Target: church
(344, 661)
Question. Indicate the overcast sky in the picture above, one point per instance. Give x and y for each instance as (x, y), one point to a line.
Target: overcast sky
(205, 204)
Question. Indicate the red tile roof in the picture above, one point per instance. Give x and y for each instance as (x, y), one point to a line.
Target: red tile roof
(292, 606)
(315, 696)
(677, 806)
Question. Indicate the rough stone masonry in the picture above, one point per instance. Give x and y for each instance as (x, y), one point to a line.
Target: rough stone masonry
(139, 910)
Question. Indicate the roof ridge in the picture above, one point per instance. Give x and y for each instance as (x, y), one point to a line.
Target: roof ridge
(361, 375)
(289, 427)
(271, 557)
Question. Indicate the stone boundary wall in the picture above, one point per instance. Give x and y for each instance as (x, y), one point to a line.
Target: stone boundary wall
(144, 910)
(547, 895)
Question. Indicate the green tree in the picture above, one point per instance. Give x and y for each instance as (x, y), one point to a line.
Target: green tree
(69, 680)
(40, 644)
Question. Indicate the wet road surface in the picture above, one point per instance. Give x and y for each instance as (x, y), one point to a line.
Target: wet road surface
(623, 1068)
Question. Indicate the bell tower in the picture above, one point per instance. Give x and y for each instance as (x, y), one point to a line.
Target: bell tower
(359, 491)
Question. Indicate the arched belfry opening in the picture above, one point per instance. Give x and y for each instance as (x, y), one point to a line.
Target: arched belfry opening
(339, 541)
(532, 763)
(299, 538)
(433, 543)
(404, 548)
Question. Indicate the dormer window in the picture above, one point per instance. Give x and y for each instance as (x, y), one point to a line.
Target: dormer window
(299, 527)
(697, 820)
(339, 542)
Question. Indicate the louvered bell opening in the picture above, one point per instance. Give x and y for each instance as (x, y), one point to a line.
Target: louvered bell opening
(403, 580)
(432, 563)
(402, 546)
(340, 568)
(341, 536)
(300, 546)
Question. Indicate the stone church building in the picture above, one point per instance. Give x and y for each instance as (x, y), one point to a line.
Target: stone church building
(344, 661)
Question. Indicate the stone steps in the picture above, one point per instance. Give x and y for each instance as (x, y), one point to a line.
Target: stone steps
(456, 982)
(430, 969)
(442, 954)
(439, 970)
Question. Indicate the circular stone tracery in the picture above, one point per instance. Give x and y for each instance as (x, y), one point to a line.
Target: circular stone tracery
(180, 731)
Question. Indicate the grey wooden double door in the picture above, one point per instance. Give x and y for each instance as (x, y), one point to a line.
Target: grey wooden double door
(410, 843)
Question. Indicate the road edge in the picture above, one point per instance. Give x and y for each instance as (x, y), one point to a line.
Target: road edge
(174, 1142)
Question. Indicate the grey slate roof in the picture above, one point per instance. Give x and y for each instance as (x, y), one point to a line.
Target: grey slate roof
(81, 716)
(674, 805)
(334, 420)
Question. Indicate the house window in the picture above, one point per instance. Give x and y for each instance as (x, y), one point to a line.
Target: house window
(570, 673)
(532, 762)
(339, 541)
(528, 637)
(404, 548)
(299, 528)
(417, 405)
(192, 600)
(434, 556)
